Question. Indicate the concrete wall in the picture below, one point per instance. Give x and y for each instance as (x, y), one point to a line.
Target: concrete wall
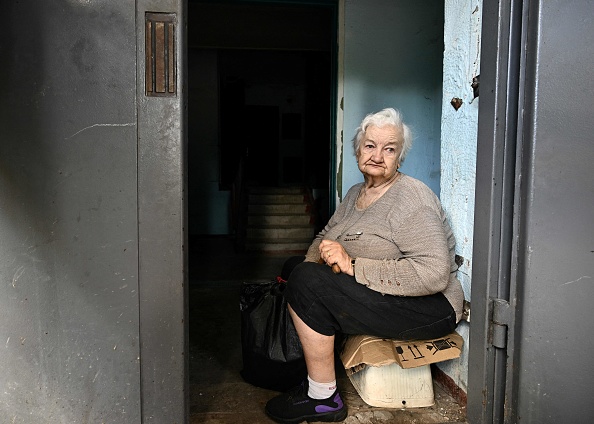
(462, 36)
(393, 53)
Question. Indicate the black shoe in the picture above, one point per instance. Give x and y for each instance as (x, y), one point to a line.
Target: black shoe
(296, 406)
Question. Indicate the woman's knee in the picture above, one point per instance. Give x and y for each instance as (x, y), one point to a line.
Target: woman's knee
(299, 270)
(303, 284)
(305, 274)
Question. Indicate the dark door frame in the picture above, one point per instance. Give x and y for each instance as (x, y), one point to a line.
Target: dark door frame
(498, 205)
(162, 209)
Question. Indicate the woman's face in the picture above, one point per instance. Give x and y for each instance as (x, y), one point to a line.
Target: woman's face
(379, 152)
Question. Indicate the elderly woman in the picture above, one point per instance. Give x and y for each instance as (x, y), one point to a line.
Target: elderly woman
(395, 251)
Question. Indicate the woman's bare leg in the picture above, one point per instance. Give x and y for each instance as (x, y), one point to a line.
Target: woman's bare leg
(318, 350)
(300, 405)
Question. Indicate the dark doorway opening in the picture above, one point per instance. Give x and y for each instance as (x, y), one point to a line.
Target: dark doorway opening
(276, 116)
(261, 105)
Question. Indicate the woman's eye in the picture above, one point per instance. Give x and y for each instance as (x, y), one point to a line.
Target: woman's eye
(391, 150)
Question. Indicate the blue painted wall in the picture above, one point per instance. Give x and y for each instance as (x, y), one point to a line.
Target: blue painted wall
(458, 145)
(393, 57)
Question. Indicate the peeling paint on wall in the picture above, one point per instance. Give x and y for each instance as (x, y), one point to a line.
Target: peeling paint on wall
(462, 38)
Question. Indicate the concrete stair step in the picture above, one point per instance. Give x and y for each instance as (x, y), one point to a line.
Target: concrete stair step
(266, 209)
(280, 219)
(276, 232)
(293, 246)
(277, 190)
(276, 199)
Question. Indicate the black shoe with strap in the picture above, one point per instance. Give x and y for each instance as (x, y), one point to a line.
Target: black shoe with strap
(296, 406)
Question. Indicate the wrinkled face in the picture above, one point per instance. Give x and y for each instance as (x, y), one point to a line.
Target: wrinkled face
(379, 152)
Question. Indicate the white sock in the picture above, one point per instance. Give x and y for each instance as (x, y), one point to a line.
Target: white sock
(320, 390)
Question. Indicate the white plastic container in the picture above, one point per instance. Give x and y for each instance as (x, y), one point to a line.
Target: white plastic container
(391, 386)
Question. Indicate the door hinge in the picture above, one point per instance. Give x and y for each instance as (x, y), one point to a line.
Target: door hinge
(500, 321)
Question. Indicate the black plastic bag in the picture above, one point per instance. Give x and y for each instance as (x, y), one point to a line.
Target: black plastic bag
(271, 350)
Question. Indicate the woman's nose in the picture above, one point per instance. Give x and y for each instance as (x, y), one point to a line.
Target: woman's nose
(377, 155)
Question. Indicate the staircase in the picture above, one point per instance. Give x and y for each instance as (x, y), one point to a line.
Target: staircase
(280, 220)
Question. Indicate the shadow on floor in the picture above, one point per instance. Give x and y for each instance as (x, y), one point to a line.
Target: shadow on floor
(217, 392)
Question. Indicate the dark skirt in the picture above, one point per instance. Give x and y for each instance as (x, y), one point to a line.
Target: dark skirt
(329, 303)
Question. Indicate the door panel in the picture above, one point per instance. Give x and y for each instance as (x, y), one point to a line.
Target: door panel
(68, 214)
(556, 259)
(92, 260)
(533, 221)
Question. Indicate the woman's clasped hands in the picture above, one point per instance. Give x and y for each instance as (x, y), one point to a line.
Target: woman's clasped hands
(332, 252)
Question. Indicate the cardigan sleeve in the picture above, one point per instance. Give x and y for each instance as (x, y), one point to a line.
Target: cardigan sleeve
(424, 265)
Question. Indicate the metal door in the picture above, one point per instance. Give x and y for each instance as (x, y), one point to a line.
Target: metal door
(91, 214)
(533, 276)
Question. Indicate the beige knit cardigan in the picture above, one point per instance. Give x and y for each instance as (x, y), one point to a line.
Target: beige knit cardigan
(403, 243)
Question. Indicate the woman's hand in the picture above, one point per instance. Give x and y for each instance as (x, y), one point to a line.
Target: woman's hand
(332, 253)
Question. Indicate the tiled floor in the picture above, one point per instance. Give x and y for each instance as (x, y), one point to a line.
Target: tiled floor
(217, 393)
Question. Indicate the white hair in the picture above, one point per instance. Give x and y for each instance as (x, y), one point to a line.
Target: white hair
(388, 116)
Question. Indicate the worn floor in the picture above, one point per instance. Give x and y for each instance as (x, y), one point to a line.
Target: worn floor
(218, 395)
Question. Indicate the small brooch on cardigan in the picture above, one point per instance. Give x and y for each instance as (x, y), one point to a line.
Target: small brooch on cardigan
(351, 236)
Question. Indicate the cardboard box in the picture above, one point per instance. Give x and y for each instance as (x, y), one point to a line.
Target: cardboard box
(361, 351)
